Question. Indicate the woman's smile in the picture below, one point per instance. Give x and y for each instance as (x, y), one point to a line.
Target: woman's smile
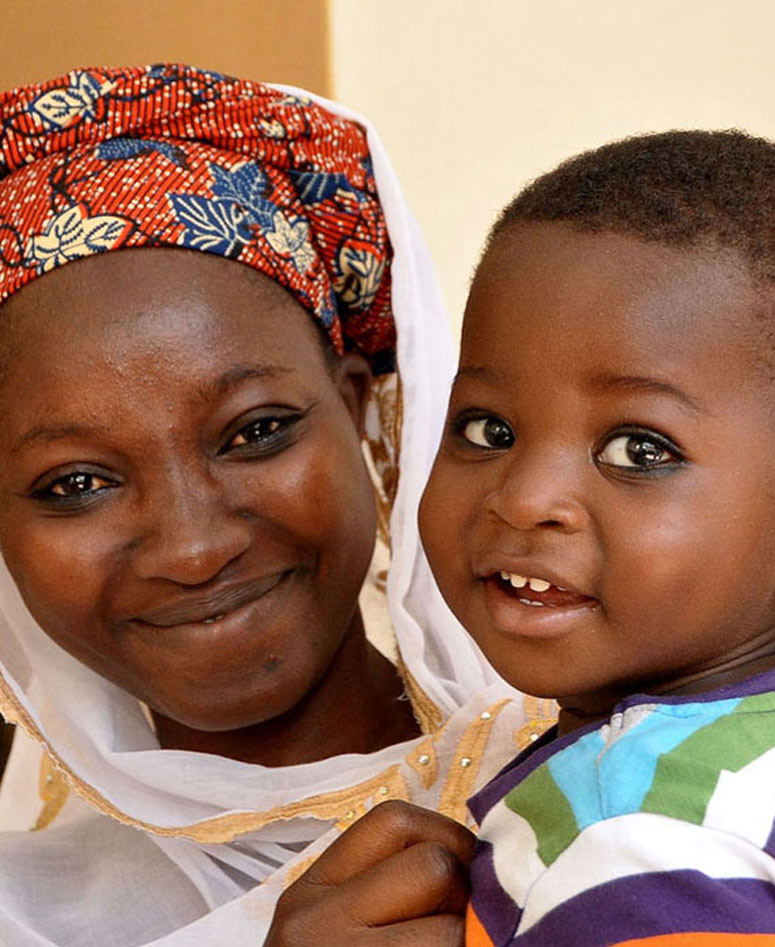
(213, 607)
(186, 506)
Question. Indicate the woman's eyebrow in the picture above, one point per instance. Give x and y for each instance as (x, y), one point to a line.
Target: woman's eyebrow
(224, 383)
(647, 384)
(218, 387)
(47, 433)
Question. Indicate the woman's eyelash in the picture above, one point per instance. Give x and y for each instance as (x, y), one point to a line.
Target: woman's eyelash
(262, 433)
(73, 489)
(77, 488)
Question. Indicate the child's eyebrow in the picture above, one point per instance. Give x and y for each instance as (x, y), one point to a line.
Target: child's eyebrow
(648, 384)
(477, 371)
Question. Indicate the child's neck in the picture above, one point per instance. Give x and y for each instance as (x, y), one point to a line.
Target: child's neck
(580, 710)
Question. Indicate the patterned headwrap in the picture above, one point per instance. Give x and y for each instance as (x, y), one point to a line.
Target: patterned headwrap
(170, 155)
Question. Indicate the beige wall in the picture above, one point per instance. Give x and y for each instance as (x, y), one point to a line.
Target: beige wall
(475, 97)
(472, 97)
(274, 40)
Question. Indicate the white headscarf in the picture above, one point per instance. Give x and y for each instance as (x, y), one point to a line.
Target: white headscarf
(182, 848)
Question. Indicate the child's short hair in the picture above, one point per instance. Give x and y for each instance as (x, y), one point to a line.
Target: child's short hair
(712, 189)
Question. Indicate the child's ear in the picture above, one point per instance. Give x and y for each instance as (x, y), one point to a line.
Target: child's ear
(353, 379)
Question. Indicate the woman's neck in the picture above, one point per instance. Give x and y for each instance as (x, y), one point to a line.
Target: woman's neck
(357, 707)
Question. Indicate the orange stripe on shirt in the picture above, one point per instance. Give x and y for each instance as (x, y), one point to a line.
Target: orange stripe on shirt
(699, 939)
(476, 935)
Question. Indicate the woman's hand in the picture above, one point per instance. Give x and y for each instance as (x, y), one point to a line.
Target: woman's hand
(397, 877)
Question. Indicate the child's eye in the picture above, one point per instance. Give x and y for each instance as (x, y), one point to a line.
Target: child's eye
(491, 432)
(639, 450)
(72, 488)
(262, 434)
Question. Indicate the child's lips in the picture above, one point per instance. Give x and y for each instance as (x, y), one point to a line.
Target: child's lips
(543, 610)
(538, 592)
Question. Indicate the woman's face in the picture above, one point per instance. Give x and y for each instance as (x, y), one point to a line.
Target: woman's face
(184, 504)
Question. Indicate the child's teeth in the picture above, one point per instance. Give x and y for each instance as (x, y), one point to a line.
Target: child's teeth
(539, 585)
(517, 581)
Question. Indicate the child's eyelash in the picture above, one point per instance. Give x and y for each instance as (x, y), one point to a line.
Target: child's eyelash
(639, 450)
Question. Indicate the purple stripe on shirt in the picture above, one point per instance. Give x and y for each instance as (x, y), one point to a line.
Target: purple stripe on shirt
(659, 903)
(490, 901)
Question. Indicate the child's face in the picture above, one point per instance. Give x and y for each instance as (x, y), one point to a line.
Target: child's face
(610, 433)
(183, 501)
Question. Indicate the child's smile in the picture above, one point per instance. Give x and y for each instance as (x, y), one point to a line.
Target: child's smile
(539, 593)
(601, 515)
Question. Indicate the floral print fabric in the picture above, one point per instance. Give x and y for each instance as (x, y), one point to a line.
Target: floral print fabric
(170, 155)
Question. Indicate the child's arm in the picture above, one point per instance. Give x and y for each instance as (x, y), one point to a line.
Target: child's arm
(397, 877)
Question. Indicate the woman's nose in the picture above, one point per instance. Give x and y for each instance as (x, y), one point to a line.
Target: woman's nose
(190, 533)
(540, 490)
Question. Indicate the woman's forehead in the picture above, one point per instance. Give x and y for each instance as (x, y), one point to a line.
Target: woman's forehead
(153, 308)
(123, 287)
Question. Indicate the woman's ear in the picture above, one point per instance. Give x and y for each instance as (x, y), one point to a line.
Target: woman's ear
(353, 379)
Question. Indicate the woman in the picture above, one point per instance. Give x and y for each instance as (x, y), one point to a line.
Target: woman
(186, 513)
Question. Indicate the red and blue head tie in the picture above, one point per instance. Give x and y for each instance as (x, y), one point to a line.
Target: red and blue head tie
(173, 156)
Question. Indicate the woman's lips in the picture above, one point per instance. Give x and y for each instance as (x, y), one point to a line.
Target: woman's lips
(213, 607)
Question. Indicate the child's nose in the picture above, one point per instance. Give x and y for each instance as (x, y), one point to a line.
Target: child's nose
(189, 532)
(541, 490)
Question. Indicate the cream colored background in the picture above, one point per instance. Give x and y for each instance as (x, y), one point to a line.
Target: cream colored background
(472, 97)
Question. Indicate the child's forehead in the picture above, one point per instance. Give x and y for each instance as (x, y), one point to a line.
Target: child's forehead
(549, 247)
(615, 297)
(558, 266)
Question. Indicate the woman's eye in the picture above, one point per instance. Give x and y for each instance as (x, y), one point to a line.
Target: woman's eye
(256, 431)
(637, 451)
(491, 432)
(262, 434)
(74, 486)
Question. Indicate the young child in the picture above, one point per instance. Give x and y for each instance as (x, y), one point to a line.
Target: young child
(601, 518)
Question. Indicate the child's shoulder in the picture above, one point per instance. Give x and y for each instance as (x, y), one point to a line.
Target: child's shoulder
(705, 759)
(667, 793)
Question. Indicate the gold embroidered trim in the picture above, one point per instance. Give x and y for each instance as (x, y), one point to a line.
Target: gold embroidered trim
(427, 713)
(293, 874)
(424, 760)
(390, 785)
(542, 714)
(382, 441)
(54, 790)
(465, 766)
(332, 805)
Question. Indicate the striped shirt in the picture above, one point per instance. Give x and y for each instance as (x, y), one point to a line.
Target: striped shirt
(656, 829)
